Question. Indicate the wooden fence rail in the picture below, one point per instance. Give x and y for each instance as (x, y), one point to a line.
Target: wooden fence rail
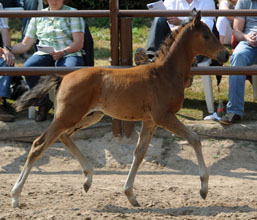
(211, 70)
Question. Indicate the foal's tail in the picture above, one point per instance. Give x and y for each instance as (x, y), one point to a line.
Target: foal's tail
(34, 95)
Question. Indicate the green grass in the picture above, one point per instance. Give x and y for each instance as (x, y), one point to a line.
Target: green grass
(194, 107)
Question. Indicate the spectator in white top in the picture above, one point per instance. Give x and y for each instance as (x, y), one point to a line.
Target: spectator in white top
(162, 26)
(224, 24)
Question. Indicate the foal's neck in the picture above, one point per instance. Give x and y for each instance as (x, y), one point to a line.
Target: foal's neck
(181, 55)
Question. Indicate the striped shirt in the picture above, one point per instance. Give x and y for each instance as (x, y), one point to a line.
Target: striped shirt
(55, 31)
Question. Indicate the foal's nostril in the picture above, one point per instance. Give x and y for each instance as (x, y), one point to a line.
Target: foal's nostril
(223, 56)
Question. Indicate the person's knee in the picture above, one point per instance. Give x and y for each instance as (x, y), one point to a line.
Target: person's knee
(2, 63)
(160, 22)
(240, 59)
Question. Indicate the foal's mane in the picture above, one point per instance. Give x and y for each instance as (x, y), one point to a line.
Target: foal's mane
(170, 39)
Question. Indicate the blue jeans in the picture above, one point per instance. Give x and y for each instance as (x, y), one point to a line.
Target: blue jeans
(47, 60)
(5, 82)
(243, 55)
(157, 34)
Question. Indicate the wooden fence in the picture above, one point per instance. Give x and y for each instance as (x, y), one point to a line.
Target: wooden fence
(121, 43)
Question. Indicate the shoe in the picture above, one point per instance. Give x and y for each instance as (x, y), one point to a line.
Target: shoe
(5, 116)
(230, 118)
(141, 57)
(43, 111)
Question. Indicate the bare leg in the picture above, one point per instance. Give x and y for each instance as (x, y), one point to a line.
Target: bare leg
(38, 148)
(172, 124)
(144, 139)
(84, 163)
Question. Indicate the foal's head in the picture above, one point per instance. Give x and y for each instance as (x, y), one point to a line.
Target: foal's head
(204, 42)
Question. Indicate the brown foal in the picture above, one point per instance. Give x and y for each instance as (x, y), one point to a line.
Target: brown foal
(150, 93)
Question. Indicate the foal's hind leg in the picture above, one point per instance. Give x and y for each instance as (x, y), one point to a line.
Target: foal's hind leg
(38, 148)
(67, 141)
(171, 123)
(144, 139)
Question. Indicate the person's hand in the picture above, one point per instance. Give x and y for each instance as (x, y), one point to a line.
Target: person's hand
(7, 56)
(174, 20)
(251, 39)
(57, 54)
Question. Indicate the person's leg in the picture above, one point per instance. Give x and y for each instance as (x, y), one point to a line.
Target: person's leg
(70, 61)
(45, 104)
(5, 82)
(243, 55)
(37, 60)
(157, 34)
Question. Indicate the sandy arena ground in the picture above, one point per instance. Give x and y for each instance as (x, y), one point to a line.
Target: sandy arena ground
(167, 185)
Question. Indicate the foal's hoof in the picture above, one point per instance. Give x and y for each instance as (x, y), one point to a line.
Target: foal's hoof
(135, 203)
(132, 200)
(86, 187)
(203, 193)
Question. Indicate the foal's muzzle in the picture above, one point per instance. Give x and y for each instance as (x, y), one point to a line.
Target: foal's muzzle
(223, 56)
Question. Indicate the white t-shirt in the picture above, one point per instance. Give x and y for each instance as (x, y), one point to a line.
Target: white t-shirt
(197, 4)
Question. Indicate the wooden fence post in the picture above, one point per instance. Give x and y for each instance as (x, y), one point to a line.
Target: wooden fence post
(126, 59)
(114, 31)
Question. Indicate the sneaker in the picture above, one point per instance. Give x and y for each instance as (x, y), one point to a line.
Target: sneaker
(5, 116)
(141, 57)
(230, 118)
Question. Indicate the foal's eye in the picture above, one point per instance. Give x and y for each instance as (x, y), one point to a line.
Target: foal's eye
(206, 37)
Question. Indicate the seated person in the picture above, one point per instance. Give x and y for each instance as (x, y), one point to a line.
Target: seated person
(6, 59)
(65, 34)
(162, 26)
(245, 54)
(224, 24)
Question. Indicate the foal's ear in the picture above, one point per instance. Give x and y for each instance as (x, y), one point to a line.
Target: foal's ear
(197, 17)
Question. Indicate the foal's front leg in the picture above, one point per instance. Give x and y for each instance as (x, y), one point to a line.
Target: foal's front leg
(147, 130)
(172, 124)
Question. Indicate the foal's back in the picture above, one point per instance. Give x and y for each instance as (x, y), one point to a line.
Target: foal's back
(112, 91)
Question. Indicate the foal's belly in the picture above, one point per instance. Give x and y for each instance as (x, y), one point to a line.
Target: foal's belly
(135, 111)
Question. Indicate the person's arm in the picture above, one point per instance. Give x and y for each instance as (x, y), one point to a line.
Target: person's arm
(225, 6)
(24, 46)
(238, 28)
(76, 45)
(7, 55)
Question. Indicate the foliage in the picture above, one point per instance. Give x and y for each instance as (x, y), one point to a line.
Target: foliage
(104, 4)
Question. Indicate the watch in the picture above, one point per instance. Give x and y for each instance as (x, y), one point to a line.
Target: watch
(65, 52)
(8, 48)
